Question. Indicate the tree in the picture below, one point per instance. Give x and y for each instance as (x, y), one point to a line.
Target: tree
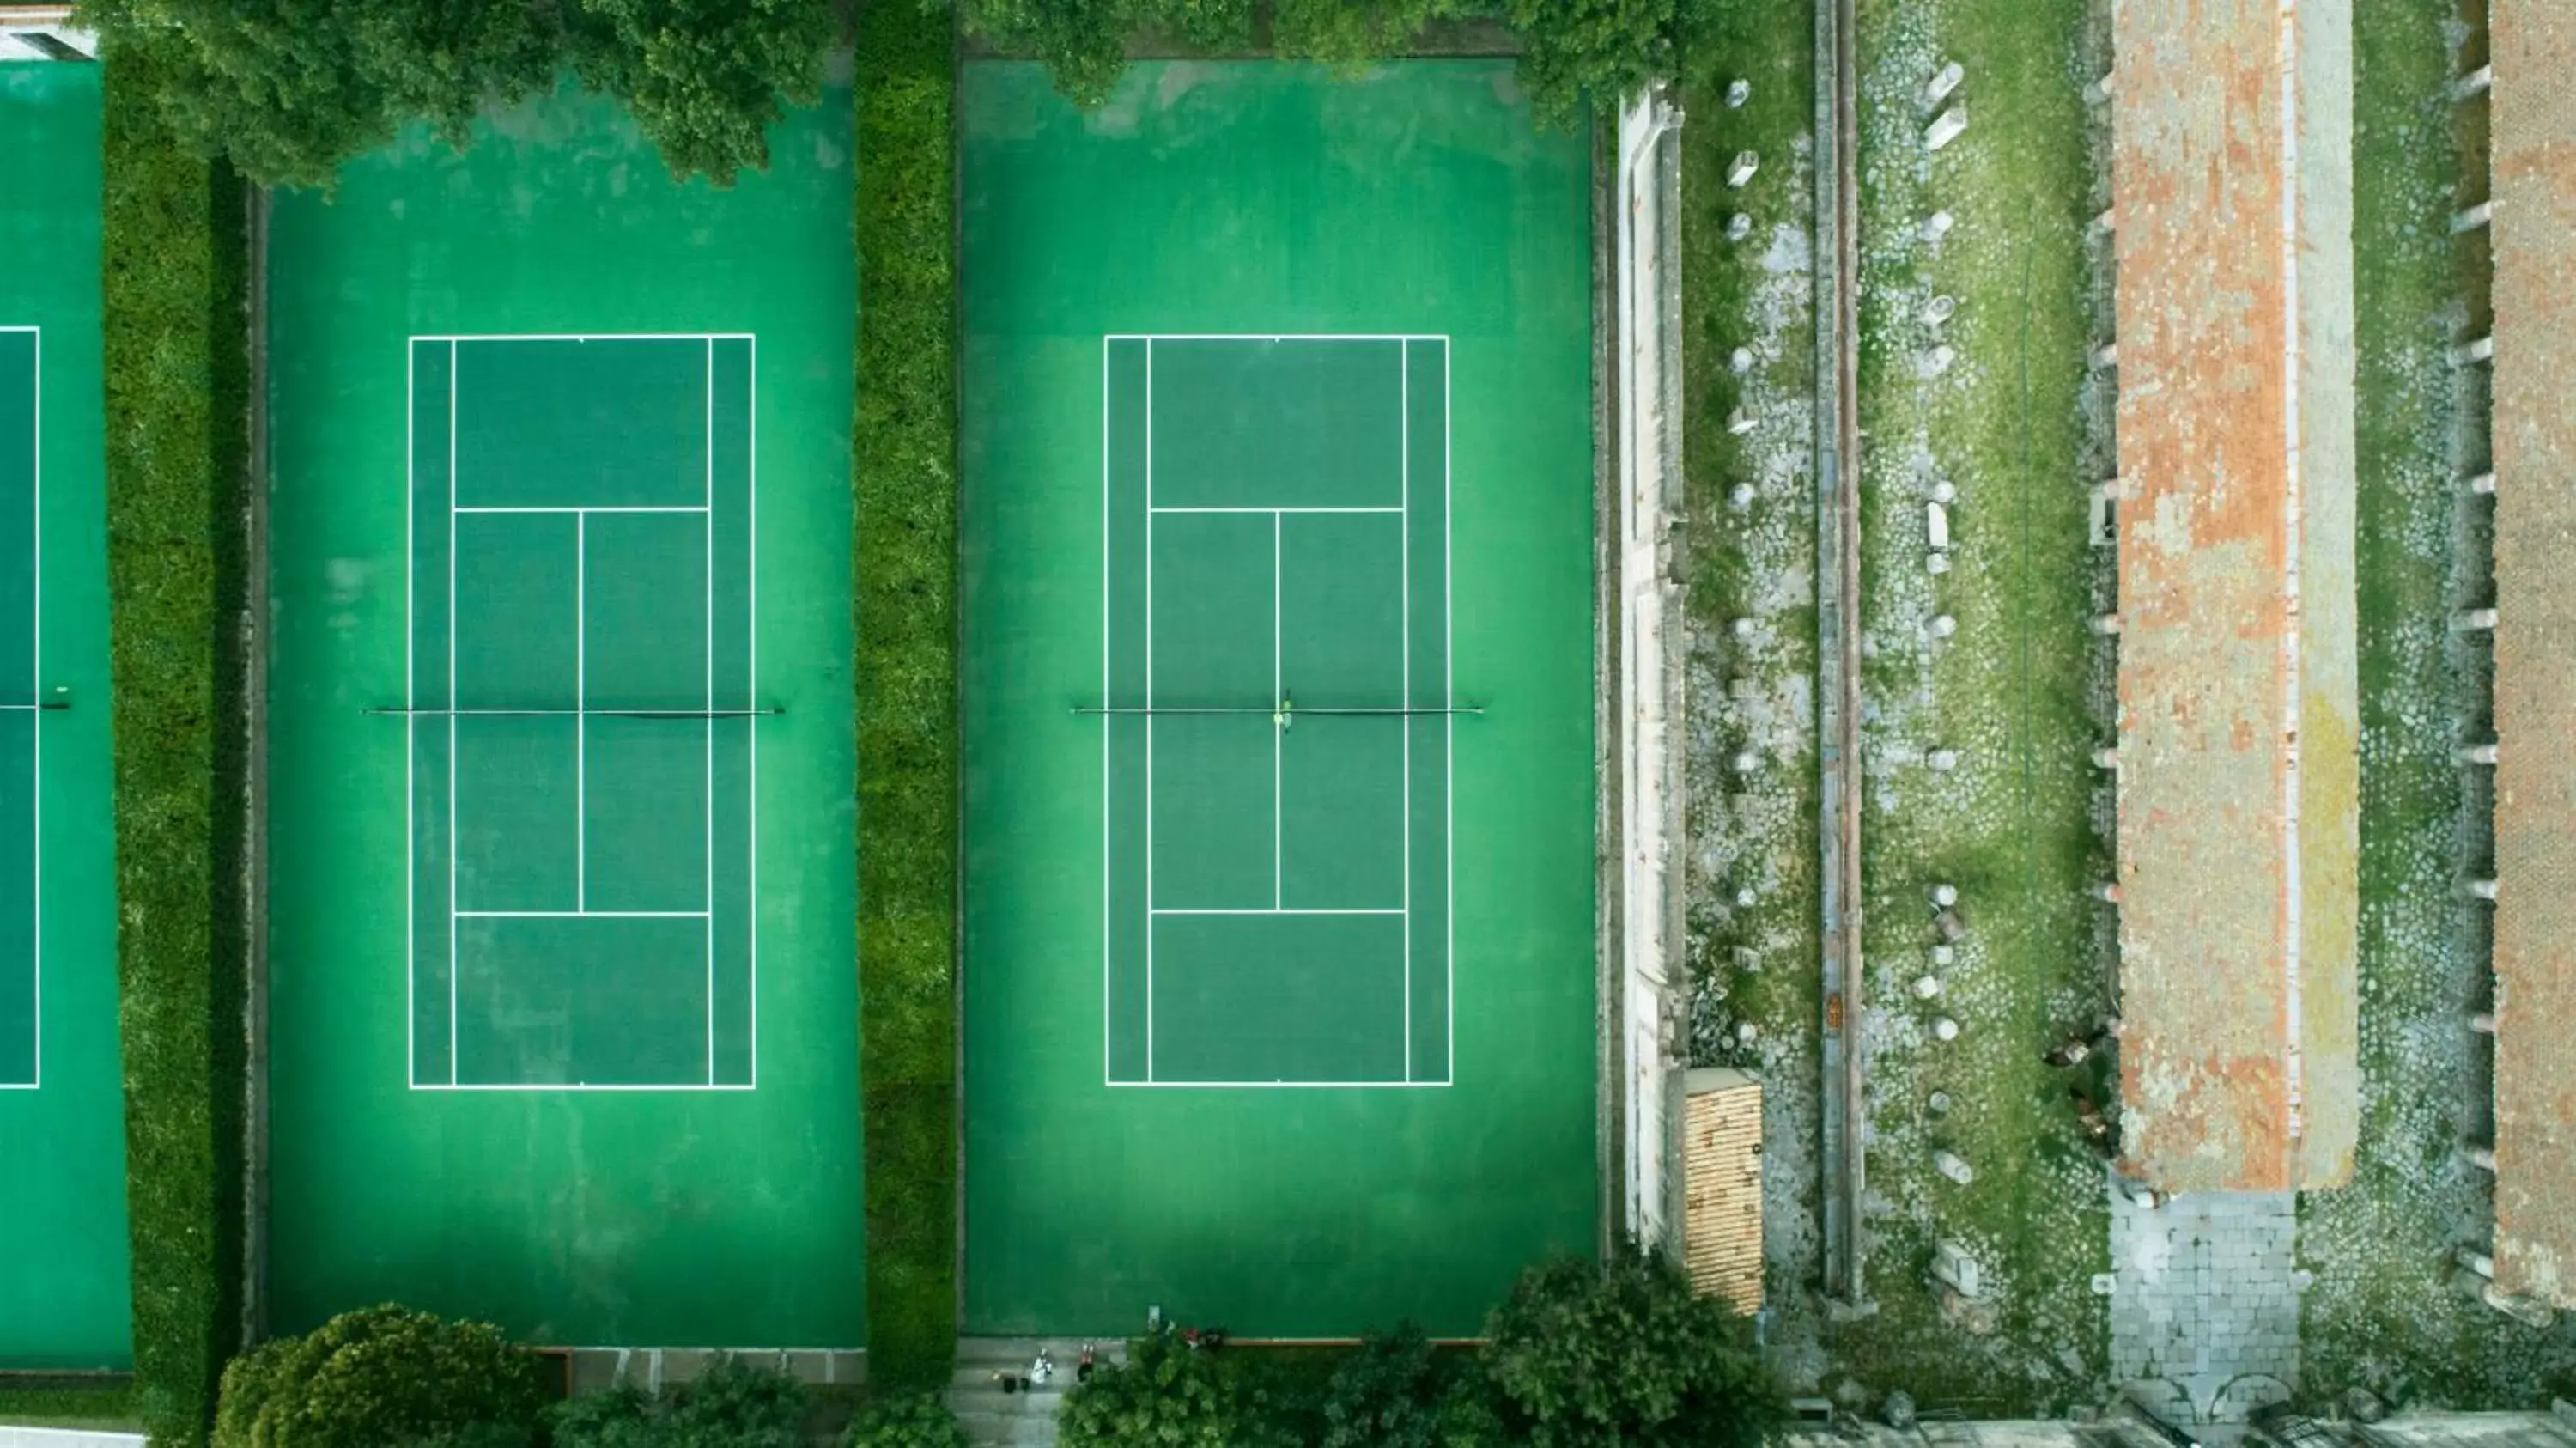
(1348, 32)
(287, 90)
(379, 1377)
(1621, 1354)
(1167, 1395)
(1084, 42)
(1385, 1395)
(1578, 55)
(730, 1405)
(1594, 52)
(919, 1420)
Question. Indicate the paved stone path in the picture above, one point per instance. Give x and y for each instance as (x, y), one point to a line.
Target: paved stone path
(2204, 1297)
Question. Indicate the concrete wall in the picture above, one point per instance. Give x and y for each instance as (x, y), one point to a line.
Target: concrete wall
(2534, 160)
(2238, 791)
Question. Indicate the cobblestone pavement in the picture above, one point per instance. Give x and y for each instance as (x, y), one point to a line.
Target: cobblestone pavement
(2205, 1296)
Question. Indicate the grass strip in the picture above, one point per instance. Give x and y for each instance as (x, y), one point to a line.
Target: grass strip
(37, 1401)
(906, 601)
(178, 394)
(2013, 827)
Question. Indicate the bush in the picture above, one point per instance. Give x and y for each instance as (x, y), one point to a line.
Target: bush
(904, 565)
(378, 1377)
(176, 329)
(915, 1420)
(1386, 1395)
(289, 89)
(731, 1405)
(1167, 1395)
(1622, 1355)
(1576, 54)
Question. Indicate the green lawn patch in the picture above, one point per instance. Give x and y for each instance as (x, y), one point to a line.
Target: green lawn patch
(906, 602)
(1754, 963)
(2013, 826)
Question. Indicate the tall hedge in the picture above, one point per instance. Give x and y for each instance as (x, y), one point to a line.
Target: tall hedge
(178, 394)
(906, 619)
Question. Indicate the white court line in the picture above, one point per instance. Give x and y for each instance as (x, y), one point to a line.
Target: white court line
(1149, 703)
(1108, 861)
(582, 336)
(581, 914)
(1268, 512)
(1448, 695)
(411, 720)
(1149, 338)
(1404, 689)
(1275, 910)
(580, 713)
(582, 510)
(453, 953)
(1278, 736)
(1449, 698)
(541, 1087)
(752, 843)
(751, 677)
(708, 532)
(1389, 1085)
(36, 764)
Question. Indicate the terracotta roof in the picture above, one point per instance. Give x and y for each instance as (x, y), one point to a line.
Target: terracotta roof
(2238, 797)
(2534, 165)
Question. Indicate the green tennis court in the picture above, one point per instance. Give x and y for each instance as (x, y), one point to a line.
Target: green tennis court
(562, 1029)
(1275, 526)
(66, 1299)
(1277, 550)
(582, 716)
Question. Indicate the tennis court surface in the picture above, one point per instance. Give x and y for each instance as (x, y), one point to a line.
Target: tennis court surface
(581, 713)
(562, 1031)
(1276, 540)
(65, 1295)
(1277, 698)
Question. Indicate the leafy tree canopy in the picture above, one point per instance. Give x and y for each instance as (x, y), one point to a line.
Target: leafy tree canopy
(1386, 1395)
(1622, 1355)
(1166, 1395)
(1577, 53)
(730, 1405)
(378, 1378)
(289, 89)
(917, 1420)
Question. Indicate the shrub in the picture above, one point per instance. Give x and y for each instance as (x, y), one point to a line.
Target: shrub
(1621, 1354)
(288, 89)
(915, 1420)
(731, 1405)
(377, 1377)
(1386, 1395)
(174, 278)
(1166, 1395)
(904, 499)
(1468, 1417)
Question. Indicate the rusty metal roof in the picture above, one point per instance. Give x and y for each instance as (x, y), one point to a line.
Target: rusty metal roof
(2238, 799)
(2534, 166)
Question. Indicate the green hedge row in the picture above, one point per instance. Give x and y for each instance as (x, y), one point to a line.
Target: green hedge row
(178, 395)
(905, 477)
